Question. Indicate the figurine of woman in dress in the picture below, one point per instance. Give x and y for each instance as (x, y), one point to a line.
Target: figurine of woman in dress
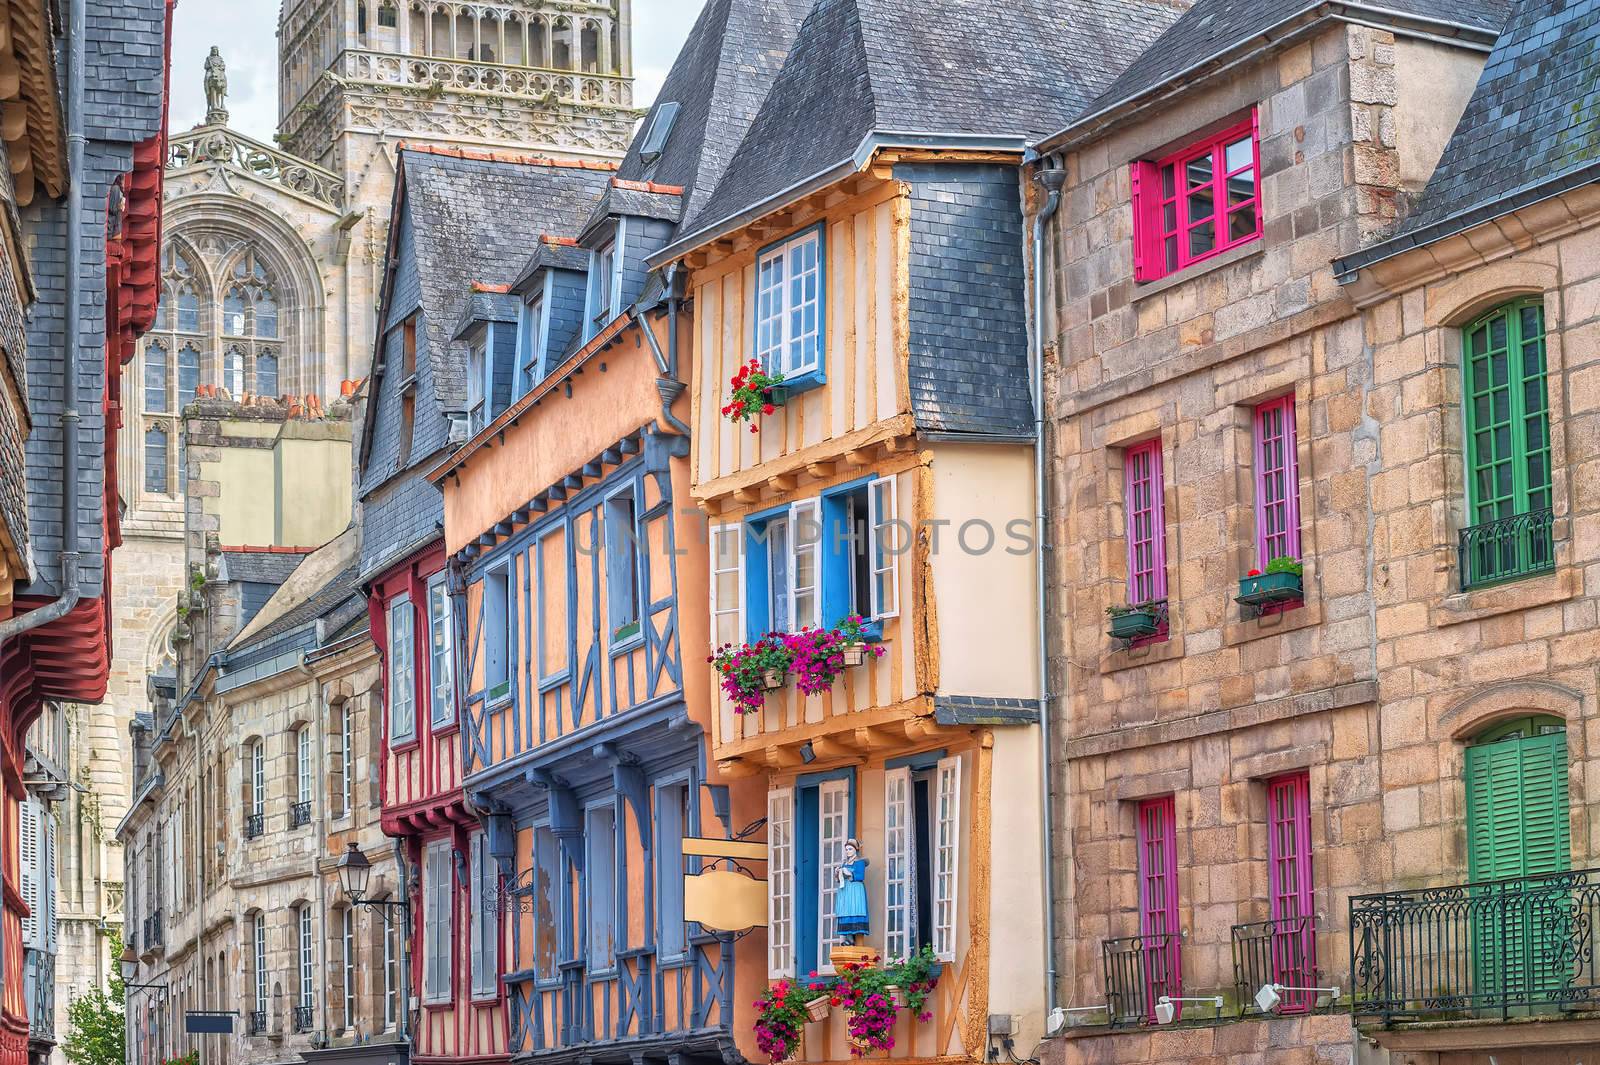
(850, 898)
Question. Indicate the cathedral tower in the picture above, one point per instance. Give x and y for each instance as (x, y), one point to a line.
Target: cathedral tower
(551, 76)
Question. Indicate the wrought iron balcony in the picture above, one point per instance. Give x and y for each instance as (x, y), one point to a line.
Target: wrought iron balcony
(153, 937)
(258, 1022)
(253, 825)
(1139, 970)
(300, 814)
(1282, 951)
(1507, 549)
(40, 968)
(302, 1019)
(1496, 947)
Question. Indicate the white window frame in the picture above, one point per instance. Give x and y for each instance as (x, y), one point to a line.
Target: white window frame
(500, 636)
(302, 742)
(347, 755)
(604, 262)
(624, 547)
(805, 515)
(899, 865)
(307, 959)
(438, 892)
(485, 926)
(946, 868)
(776, 340)
(259, 941)
(833, 828)
(347, 922)
(721, 536)
(391, 957)
(441, 659)
(480, 382)
(402, 688)
(780, 883)
(883, 510)
(258, 778)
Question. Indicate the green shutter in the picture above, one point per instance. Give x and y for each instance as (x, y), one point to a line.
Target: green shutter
(1505, 403)
(1516, 826)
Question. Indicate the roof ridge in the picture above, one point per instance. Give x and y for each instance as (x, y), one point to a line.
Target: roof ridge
(519, 158)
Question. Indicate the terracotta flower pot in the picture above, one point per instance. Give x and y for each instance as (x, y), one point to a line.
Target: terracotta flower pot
(771, 679)
(817, 1009)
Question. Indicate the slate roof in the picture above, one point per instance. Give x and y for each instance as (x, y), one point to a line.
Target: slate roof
(555, 256)
(1531, 129)
(473, 220)
(485, 307)
(260, 567)
(323, 602)
(932, 67)
(1213, 27)
(719, 80)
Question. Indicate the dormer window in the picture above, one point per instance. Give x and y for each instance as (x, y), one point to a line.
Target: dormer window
(531, 341)
(602, 287)
(1198, 202)
(478, 385)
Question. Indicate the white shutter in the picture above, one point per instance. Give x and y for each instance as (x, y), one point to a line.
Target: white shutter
(834, 815)
(805, 536)
(946, 856)
(780, 883)
(727, 584)
(28, 832)
(48, 881)
(884, 546)
(897, 864)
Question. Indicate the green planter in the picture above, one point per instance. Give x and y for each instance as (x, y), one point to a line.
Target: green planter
(1267, 588)
(1134, 624)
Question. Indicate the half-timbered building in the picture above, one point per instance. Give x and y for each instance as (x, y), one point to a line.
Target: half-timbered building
(889, 477)
(462, 225)
(583, 597)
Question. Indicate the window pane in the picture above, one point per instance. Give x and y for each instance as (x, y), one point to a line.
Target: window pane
(1241, 187)
(1242, 223)
(1169, 177)
(155, 460)
(1198, 173)
(1201, 205)
(188, 374)
(266, 375)
(155, 379)
(1238, 154)
(1202, 238)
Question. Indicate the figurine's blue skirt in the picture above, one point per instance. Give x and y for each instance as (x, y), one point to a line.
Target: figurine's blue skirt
(850, 908)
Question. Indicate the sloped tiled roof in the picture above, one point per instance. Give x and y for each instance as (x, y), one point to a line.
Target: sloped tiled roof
(1213, 27)
(485, 307)
(474, 219)
(260, 567)
(933, 67)
(1534, 116)
(325, 601)
(718, 81)
(554, 254)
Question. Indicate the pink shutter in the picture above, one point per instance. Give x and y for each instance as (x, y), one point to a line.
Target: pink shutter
(1277, 482)
(1146, 523)
(1289, 888)
(1158, 900)
(1146, 221)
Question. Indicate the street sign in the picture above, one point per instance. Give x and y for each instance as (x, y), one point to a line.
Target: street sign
(208, 1022)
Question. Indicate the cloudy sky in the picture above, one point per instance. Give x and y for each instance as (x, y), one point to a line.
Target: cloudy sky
(246, 31)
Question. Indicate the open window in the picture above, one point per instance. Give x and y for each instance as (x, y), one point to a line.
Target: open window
(622, 565)
(789, 335)
(1197, 202)
(498, 628)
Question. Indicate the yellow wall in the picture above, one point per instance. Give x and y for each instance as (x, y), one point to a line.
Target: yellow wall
(985, 598)
(1015, 918)
(865, 252)
(279, 484)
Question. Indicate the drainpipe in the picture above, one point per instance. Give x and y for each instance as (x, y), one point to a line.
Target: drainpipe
(1051, 177)
(70, 419)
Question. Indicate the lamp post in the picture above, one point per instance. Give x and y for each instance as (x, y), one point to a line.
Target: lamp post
(355, 870)
(128, 963)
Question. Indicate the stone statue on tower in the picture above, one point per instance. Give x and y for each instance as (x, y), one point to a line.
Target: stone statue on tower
(216, 88)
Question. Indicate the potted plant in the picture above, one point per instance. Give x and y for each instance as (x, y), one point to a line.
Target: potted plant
(1132, 622)
(853, 644)
(1281, 583)
(751, 670)
(780, 1017)
(755, 391)
(863, 991)
(916, 978)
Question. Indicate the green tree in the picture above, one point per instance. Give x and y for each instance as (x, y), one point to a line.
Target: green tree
(96, 1035)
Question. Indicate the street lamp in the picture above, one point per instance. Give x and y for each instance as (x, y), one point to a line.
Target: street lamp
(355, 869)
(129, 961)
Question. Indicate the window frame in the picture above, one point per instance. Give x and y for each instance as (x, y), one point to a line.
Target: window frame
(438, 941)
(670, 861)
(1517, 414)
(1263, 434)
(401, 678)
(1289, 858)
(532, 336)
(778, 316)
(1150, 201)
(441, 693)
(1142, 466)
(605, 262)
(305, 957)
(347, 928)
(624, 569)
(499, 670)
(484, 944)
(152, 432)
(1157, 834)
(305, 780)
(601, 907)
(259, 960)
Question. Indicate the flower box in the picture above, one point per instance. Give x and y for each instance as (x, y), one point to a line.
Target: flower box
(854, 654)
(773, 679)
(817, 1009)
(1132, 624)
(1265, 588)
(897, 995)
